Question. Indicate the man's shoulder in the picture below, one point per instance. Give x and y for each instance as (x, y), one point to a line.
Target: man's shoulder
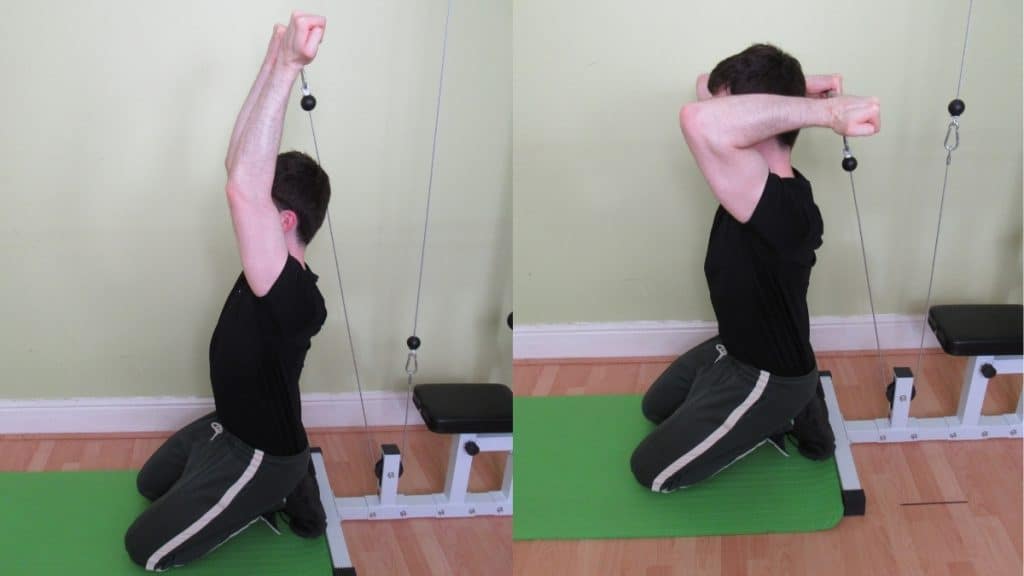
(793, 191)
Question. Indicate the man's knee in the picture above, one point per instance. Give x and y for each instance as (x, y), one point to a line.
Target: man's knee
(135, 544)
(652, 410)
(654, 476)
(146, 485)
(640, 463)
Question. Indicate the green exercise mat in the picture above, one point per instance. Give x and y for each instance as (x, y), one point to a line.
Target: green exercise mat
(573, 480)
(64, 523)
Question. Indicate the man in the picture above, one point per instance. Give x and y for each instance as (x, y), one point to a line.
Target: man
(757, 379)
(250, 458)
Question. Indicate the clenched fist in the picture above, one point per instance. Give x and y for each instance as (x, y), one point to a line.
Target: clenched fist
(301, 40)
(855, 116)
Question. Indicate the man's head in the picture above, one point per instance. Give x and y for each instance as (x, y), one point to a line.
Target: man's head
(760, 69)
(302, 188)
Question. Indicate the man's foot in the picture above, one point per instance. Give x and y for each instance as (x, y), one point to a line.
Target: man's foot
(270, 519)
(812, 431)
(778, 441)
(303, 508)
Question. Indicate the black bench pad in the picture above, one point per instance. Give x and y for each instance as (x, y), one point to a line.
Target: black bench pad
(979, 329)
(465, 408)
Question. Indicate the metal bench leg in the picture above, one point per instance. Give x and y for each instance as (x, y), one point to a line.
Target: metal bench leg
(506, 483)
(456, 482)
(1020, 407)
(389, 474)
(340, 560)
(854, 502)
(972, 395)
(902, 395)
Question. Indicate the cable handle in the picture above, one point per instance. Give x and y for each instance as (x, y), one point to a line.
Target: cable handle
(308, 102)
(849, 162)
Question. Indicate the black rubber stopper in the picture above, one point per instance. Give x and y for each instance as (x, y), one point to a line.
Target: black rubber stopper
(378, 469)
(509, 320)
(956, 107)
(308, 102)
(471, 448)
(849, 163)
(890, 392)
(853, 502)
(988, 371)
(413, 342)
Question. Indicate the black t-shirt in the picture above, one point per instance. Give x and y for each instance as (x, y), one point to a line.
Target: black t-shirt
(256, 356)
(758, 273)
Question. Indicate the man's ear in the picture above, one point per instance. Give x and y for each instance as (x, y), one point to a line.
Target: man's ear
(289, 221)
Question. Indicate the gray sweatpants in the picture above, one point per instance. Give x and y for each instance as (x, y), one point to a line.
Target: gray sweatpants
(206, 486)
(711, 410)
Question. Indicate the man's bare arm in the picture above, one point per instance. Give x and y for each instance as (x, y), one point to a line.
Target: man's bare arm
(261, 241)
(722, 131)
(254, 93)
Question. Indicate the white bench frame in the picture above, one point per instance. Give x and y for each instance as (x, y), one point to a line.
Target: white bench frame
(967, 424)
(388, 504)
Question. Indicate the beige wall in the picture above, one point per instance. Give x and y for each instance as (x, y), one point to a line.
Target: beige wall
(115, 243)
(611, 214)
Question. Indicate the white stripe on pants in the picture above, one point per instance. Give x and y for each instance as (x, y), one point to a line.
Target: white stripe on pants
(715, 436)
(210, 515)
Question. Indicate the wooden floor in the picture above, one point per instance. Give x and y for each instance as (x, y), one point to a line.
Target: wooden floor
(934, 508)
(414, 547)
(978, 531)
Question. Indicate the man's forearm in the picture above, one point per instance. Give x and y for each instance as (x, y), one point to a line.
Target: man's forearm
(744, 120)
(252, 170)
(250, 102)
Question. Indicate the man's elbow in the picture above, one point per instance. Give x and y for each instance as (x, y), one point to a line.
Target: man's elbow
(233, 190)
(241, 181)
(695, 124)
(690, 119)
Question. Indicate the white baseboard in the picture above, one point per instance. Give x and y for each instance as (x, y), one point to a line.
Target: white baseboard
(588, 340)
(161, 414)
(623, 339)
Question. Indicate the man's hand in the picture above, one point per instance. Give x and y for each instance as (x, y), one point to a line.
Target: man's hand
(855, 116)
(274, 47)
(301, 40)
(823, 85)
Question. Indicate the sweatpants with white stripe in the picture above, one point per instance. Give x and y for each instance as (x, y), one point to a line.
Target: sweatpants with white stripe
(206, 486)
(711, 410)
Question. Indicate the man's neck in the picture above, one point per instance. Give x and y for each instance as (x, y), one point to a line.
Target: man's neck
(777, 156)
(296, 250)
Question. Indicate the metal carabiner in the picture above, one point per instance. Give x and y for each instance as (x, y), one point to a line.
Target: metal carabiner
(954, 128)
(411, 363)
